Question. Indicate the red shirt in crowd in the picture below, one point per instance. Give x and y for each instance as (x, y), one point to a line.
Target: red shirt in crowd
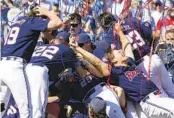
(166, 22)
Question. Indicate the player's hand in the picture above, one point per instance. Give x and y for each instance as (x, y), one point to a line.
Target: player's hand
(72, 42)
(41, 11)
(79, 56)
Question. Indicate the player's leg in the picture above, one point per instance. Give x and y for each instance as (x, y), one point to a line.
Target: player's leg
(139, 111)
(158, 106)
(5, 96)
(38, 83)
(14, 78)
(131, 111)
(113, 109)
(159, 74)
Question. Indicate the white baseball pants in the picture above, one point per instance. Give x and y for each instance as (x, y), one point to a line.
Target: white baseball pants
(38, 84)
(12, 76)
(158, 74)
(158, 106)
(113, 109)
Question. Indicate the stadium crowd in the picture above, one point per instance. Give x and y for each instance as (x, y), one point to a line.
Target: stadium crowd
(87, 58)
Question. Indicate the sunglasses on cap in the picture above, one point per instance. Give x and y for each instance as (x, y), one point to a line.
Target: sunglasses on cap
(74, 25)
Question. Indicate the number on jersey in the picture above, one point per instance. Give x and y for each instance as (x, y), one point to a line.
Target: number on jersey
(85, 81)
(12, 37)
(45, 51)
(135, 39)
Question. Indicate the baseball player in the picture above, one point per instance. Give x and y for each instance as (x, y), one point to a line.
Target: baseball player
(89, 84)
(17, 51)
(133, 80)
(86, 88)
(138, 34)
(47, 62)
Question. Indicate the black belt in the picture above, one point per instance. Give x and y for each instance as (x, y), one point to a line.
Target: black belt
(13, 58)
(86, 99)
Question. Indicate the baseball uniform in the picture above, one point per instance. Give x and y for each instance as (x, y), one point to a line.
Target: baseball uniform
(47, 62)
(17, 50)
(139, 90)
(85, 89)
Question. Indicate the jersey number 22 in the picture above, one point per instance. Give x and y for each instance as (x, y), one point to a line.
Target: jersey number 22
(45, 51)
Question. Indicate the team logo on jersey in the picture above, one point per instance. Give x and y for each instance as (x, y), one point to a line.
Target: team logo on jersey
(147, 24)
(132, 74)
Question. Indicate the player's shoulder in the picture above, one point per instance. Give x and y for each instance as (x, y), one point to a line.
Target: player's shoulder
(35, 20)
(62, 47)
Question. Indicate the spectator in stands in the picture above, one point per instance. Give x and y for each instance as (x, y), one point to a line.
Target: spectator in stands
(157, 13)
(75, 25)
(45, 4)
(165, 24)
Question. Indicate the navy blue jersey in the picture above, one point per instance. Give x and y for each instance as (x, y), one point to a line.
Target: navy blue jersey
(23, 37)
(55, 57)
(132, 29)
(133, 82)
(82, 86)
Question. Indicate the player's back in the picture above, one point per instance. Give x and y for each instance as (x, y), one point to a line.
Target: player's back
(55, 57)
(23, 36)
(132, 30)
(82, 86)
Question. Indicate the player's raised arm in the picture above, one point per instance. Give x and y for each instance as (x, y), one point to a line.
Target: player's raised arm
(54, 21)
(101, 66)
(126, 45)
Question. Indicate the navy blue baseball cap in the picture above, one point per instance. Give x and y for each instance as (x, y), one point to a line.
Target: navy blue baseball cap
(63, 36)
(97, 104)
(146, 30)
(101, 48)
(83, 38)
(103, 45)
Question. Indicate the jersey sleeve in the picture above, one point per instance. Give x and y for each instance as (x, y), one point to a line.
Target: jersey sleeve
(38, 24)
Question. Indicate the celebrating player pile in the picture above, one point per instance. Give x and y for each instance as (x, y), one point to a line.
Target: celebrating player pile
(87, 59)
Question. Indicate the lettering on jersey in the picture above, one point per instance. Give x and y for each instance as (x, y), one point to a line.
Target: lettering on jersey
(12, 36)
(45, 51)
(126, 27)
(135, 39)
(132, 74)
(84, 81)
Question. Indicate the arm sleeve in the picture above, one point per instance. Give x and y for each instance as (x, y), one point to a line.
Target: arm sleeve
(38, 24)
